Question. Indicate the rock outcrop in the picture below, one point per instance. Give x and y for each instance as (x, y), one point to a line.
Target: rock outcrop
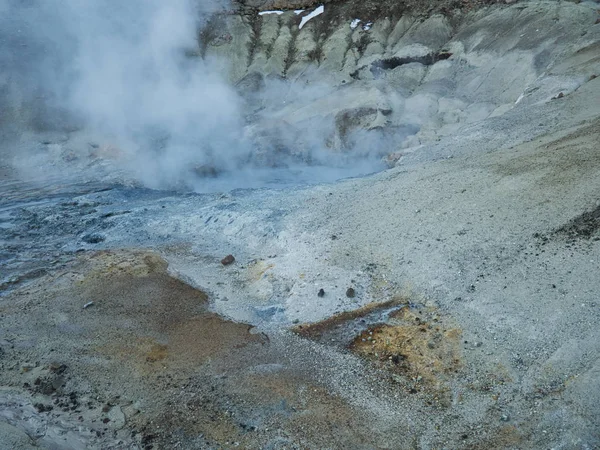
(414, 76)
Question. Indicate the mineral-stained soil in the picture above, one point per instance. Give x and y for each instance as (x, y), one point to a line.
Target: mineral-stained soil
(110, 351)
(113, 352)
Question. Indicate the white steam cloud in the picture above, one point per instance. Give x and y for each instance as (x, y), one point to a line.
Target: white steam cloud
(123, 72)
(122, 82)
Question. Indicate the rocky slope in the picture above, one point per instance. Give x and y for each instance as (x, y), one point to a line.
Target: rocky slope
(407, 77)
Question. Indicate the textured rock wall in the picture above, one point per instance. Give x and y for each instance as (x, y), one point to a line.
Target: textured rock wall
(429, 73)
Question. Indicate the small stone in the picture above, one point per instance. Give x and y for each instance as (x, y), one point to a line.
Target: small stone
(93, 238)
(229, 259)
(397, 358)
(321, 293)
(57, 367)
(350, 292)
(43, 408)
(478, 344)
(505, 418)
(116, 417)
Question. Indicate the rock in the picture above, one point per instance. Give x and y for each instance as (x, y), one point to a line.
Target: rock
(229, 259)
(116, 417)
(43, 408)
(350, 292)
(321, 293)
(93, 238)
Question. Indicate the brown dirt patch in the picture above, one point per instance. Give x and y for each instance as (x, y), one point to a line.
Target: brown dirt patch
(156, 319)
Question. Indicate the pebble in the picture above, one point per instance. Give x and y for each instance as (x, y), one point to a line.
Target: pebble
(505, 418)
(350, 292)
(229, 259)
(93, 238)
(321, 292)
(116, 417)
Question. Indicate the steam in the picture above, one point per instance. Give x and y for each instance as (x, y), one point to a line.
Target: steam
(120, 89)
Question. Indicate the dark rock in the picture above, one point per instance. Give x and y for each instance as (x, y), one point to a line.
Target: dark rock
(397, 358)
(43, 408)
(229, 259)
(57, 368)
(350, 292)
(321, 293)
(93, 238)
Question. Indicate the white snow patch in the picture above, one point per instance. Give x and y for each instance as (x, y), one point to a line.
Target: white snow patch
(520, 98)
(298, 11)
(264, 13)
(315, 13)
(367, 26)
(354, 23)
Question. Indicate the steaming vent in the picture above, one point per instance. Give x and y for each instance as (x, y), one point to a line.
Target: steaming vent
(135, 97)
(186, 95)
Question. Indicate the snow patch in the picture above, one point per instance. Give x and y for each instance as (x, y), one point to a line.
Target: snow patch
(520, 98)
(315, 13)
(298, 11)
(367, 26)
(354, 23)
(264, 13)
